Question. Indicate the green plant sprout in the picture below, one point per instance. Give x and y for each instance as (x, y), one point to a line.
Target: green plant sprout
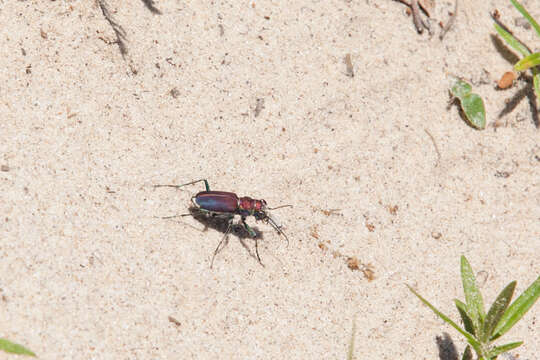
(530, 60)
(350, 353)
(13, 348)
(471, 104)
(482, 329)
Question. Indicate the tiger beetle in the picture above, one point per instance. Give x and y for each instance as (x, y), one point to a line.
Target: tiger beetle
(227, 205)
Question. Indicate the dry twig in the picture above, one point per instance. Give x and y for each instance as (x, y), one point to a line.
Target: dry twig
(118, 30)
(450, 22)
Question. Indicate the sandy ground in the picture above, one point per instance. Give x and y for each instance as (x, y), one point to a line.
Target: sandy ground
(256, 97)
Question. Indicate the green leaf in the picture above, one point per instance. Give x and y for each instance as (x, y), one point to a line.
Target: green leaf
(465, 317)
(472, 104)
(518, 309)
(460, 89)
(11, 347)
(503, 348)
(467, 354)
(473, 107)
(470, 338)
(526, 15)
(496, 311)
(512, 41)
(528, 62)
(473, 298)
(536, 82)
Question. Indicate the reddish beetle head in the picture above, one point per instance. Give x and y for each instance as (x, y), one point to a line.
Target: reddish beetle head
(251, 206)
(258, 208)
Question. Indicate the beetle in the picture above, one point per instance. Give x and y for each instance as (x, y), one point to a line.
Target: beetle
(226, 205)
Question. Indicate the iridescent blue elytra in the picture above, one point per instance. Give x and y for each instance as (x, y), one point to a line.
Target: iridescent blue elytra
(217, 201)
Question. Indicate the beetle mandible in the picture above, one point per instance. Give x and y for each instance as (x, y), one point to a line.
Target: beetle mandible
(228, 204)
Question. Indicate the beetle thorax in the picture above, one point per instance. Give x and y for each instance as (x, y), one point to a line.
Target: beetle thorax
(251, 206)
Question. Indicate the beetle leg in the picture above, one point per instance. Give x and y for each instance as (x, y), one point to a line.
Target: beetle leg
(257, 251)
(223, 241)
(253, 234)
(189, 183)
(174, 216)
(250, 231)
(196, 181)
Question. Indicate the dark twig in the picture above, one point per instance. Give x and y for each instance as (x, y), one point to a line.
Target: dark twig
(417, 19)
(450, 22)
(118, 30)
(408, 3)
(150, 5)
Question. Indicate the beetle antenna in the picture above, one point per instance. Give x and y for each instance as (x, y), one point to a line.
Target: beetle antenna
(279, 207)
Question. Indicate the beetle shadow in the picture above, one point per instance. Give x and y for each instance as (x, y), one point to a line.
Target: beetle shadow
(221, 224)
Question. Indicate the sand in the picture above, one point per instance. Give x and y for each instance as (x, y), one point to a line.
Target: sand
(256, 97)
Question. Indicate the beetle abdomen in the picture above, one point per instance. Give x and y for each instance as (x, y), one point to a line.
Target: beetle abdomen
(217, 201)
